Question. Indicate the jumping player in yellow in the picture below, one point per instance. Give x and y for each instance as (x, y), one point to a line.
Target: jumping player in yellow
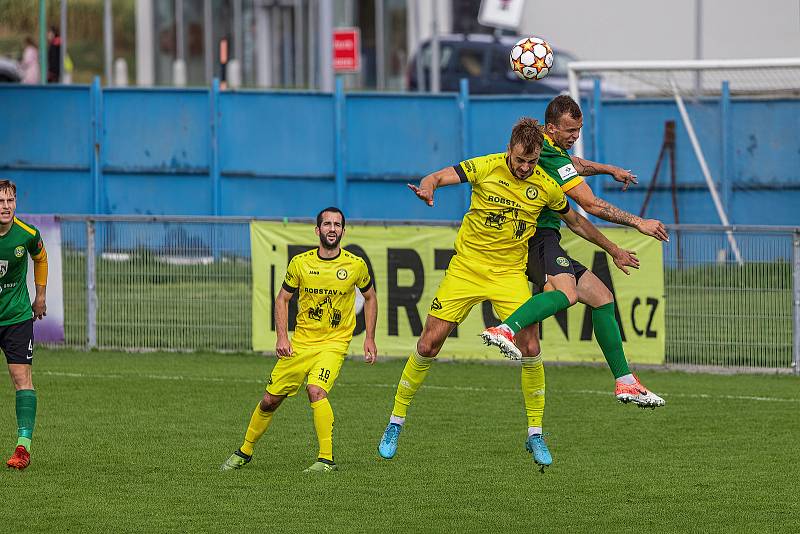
(326, 278)
(509, 191)
(17, 241)
(551, 268)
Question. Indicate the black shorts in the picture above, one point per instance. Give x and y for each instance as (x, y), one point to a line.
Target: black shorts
(547, 258)
(16, 340)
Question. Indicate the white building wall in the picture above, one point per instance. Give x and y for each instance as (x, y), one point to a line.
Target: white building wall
(665, 29)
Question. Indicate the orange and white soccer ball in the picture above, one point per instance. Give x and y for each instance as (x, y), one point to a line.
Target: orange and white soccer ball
(531, 58)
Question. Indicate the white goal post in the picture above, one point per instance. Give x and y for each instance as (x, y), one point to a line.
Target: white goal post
(677, 79)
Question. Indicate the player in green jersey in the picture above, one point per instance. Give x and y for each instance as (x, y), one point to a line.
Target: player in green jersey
(17, 241)
(550, 267)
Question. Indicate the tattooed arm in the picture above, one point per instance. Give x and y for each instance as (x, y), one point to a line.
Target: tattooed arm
(586, 167)
(583, 195)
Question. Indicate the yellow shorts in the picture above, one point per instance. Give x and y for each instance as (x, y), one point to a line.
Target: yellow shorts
(319, 367)
(464, 287)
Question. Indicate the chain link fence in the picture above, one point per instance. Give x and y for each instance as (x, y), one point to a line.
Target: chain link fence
(181, 283)
(724, 312)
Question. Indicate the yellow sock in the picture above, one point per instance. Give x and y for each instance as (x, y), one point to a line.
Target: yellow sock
(533, 389)
(259, 422)
(323, 424)
(414, 374)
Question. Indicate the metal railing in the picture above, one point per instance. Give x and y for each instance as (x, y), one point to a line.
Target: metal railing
(185, 283)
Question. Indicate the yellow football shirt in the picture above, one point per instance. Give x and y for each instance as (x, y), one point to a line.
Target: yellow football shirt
(502, 213)
(326, 301)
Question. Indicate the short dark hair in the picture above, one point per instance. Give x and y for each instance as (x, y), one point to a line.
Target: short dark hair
(330, 209)
(5, 185)
(559, 106)
(528, 133)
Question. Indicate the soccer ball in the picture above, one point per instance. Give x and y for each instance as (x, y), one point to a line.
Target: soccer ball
(531, 58)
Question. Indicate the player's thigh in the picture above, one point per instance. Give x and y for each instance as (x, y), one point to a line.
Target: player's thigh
(592, 291)
(458, 292)
(535, 269)
(325, 369)
(289, 374)
(555, 260)
(508, 292)
(16, 341)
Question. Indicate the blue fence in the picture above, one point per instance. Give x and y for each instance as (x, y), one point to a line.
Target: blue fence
(89, 150)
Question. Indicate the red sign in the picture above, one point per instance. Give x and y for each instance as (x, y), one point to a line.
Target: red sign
(346, 50)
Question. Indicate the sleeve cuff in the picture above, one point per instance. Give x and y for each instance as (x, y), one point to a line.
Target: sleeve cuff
(564, 210)
(366, 287)
(460, 172)
(289, 288)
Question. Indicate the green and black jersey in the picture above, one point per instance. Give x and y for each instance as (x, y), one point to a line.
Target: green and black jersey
(15, 246)
(557, 164)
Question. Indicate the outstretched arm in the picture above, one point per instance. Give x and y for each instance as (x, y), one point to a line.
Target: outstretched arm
(583, 195)
(591, 168)
(584, 228)
(433, 181)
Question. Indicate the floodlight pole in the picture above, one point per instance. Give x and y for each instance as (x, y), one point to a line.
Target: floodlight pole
(108, 40)
(42, 41)
(63, 58)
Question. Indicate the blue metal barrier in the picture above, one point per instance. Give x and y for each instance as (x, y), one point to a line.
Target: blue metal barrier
(85, 149)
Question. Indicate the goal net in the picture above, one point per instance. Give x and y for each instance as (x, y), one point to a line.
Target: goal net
(700, 90)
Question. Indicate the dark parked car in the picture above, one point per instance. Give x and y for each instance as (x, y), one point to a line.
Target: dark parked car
(483, 60)
(9, 71)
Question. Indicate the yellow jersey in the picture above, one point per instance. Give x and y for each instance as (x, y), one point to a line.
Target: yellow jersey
(502, 213)
(326, 302)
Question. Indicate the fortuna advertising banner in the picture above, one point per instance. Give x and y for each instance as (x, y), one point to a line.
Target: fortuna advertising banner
(408, 262)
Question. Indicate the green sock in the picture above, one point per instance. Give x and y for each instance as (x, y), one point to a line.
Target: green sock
(26, 416)
(606, 331)
(536, 309)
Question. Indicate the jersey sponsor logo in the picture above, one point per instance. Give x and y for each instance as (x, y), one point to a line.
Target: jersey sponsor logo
(562, 261)
(3, 268)
(566, 171)
(322, 291)
(504, 183)
(19, 251)
(341, 274)
(531, 193)
(497, 219)
(436, 305)
(317, 312)
(313, 272)
(469, 166)
(501, 200)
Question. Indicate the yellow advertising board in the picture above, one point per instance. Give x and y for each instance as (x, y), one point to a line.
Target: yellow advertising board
(408, 262)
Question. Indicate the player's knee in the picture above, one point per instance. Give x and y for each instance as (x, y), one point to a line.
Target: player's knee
(605, 296)
(270, 403)
(571, 293)
(316, 393)
(426, 349)
(531, 349)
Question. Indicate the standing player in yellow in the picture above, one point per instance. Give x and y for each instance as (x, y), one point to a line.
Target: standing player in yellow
(17, 314)
(326, 278)
(509, 191)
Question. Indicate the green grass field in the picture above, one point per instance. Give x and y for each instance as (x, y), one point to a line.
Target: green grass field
(133, 442)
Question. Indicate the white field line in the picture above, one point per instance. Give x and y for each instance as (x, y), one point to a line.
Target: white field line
(179, 378)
